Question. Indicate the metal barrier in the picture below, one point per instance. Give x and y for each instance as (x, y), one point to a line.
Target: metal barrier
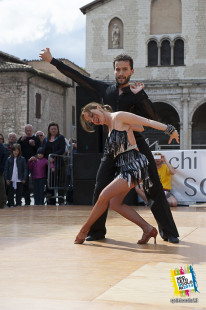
(58, 180)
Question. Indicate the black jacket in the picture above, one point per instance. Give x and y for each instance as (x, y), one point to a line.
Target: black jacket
(3, 157)
(56, 147)
(28, 150)
(21, 167)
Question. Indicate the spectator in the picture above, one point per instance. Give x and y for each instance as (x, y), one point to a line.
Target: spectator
(73, 150)
(15, 174)
(38, 165)
(1, 138)
(41, 136)
(29, 146)
(165, 171)
(54, 143)
(3, 157)
(12, 139)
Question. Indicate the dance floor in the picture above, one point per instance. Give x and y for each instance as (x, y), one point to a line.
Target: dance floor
(42, 269)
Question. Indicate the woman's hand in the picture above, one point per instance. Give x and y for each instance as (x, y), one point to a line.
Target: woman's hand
(137, 87)
(175, 136)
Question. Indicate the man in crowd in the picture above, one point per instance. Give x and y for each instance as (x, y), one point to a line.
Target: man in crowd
(29, 145)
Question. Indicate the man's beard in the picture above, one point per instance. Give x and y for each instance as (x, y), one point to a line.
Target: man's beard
(126, 81)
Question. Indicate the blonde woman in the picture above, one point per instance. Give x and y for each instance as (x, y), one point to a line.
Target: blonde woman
(132, 166)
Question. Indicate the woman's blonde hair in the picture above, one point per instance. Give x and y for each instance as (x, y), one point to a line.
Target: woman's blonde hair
(88, 126)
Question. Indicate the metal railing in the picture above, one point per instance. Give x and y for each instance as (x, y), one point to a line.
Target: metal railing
(57, 178)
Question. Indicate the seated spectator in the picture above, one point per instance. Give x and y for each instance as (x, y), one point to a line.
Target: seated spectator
(165, 171)
(15, 174)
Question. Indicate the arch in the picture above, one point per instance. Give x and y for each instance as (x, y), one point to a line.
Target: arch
(165, 16)
(167, 114)
(152, 50)
(115, 34)
(199, 127)
(178, 52)
(165, 53)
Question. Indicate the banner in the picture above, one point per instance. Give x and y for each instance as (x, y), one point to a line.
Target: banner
(189, 182)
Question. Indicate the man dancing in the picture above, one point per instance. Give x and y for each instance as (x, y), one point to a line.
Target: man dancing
(130, 98)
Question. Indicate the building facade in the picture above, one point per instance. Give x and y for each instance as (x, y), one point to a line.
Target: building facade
(167, 42)
(37, 93)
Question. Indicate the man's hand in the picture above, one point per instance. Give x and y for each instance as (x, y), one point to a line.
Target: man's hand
(175, 136)
(46, 55)
(137, 87)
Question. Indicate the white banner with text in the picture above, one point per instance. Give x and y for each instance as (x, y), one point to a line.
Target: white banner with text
(189, 182)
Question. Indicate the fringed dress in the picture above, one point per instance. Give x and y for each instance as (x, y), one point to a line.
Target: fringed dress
(131, 164)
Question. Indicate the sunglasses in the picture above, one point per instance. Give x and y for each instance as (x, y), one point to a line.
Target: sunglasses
(39, 135)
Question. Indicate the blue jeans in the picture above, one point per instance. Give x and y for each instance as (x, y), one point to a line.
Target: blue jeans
(39, 193)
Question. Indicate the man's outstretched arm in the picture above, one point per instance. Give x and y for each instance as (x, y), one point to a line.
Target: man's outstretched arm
(94, 86)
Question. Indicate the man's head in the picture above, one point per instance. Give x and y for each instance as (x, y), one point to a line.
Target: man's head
(123, 57)
(123, 69)
(158, 158)
(40, 134)
(28, 130)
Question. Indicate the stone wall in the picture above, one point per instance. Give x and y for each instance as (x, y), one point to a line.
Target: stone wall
(136, 21)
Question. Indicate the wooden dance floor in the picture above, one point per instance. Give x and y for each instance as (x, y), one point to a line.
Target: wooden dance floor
(42, 269)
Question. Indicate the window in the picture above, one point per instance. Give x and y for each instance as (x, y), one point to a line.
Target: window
(152, 53)
(38, 105)
(165, 53)
(179, 52)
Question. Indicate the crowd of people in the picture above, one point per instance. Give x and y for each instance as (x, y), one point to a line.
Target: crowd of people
(26, 159)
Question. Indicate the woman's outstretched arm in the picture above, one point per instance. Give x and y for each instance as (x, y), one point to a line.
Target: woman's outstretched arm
(131, 119)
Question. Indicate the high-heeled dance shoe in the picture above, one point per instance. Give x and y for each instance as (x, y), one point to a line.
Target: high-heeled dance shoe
(146, 236)
(80, 238)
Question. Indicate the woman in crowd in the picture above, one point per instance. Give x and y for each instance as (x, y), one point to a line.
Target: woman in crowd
(132, 166)
(54, 143)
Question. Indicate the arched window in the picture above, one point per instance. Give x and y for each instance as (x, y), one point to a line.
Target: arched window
(165, 53)
(179, 52)
(115, 34)
(152, 53)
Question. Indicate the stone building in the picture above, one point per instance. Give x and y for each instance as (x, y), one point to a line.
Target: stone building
(35, 92)
(166, 39)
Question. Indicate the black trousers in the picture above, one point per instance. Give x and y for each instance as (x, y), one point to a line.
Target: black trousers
(11, 192)
(160, 207)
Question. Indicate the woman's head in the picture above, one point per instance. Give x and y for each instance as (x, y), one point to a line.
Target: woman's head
(53, 130)
(93, 114)
(16, 150)
(1, 138)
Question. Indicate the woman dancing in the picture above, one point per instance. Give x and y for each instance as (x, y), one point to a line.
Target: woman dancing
(132, 166)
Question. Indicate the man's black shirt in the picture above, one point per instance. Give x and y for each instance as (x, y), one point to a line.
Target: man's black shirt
(105, 93)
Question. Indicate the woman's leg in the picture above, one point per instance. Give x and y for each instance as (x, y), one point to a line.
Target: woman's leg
(116, 204)
(117, 190)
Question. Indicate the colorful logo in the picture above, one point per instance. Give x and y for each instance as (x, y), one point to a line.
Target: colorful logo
(184, 281)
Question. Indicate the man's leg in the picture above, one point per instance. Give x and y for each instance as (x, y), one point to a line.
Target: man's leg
(105, 175)
(160, 207)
